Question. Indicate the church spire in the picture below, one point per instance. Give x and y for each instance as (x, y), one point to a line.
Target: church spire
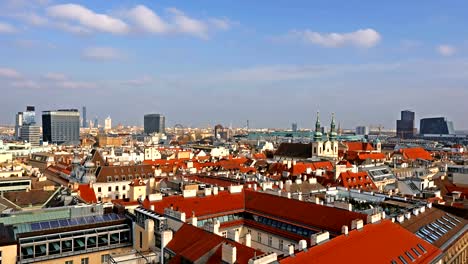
(333, 134)
(318, 129)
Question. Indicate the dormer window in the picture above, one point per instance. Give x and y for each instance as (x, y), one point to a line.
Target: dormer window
(109, 178)
(124, 178)
(116, 178)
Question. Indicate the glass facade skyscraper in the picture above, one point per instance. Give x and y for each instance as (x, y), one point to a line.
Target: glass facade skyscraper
(61, 126)
(405, 126)
(154, 123)
(436, 126)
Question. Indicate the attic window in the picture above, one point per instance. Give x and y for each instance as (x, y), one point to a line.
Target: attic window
(422, 248)
(109, 178)
(124, 178)
(402, 259)
(410, 256)
(416, 252)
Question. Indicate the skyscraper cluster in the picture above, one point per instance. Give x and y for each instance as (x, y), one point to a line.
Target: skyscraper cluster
(25, 127)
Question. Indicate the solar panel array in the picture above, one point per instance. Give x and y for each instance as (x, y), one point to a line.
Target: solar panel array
(75, 221)
(435, 230)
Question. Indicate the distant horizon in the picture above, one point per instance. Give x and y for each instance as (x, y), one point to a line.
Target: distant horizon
(213, 62)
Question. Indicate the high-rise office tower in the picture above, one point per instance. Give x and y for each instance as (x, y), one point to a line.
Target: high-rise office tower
(31, 134)
(294, 127)
(29, 116)
(362, 130)
(405, 126)
(85, 121)
(61, 126)
(436, 126)
(108, 123)
(154, 123)
(96, 122)
(18, 124)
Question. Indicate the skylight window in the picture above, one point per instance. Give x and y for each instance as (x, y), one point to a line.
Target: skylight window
(422, 248)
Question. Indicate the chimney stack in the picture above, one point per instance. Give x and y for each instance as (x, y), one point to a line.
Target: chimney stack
(291, 250)
(229, 253)
(344, 230)
(248, 240)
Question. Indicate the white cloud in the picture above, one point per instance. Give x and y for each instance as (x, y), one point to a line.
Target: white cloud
(138, 82)
(55, 76)
(147, 20)
(75, 85)
(102, 53)
(188, 25)
(364, 38)
(7, 28)
(88, 18)
(446, 50)
(32, 19)
(221, 23)
(9, 73)
(28, 84)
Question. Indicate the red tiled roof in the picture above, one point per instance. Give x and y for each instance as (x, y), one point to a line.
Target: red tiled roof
(87, 193)
(416, 153)
(202, 206)
(358, 180)
(191, 243)
(372, 156)
(375, 243)
(296, 211)
(359, 146)
(259, 156)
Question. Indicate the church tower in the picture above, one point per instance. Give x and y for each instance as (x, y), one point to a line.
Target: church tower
(317, 143)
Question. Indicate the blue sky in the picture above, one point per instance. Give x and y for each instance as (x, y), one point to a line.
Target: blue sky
(207, 62)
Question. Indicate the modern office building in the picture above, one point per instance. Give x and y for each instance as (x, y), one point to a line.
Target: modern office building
(31, 134)
(61, 126)
(18, 124)
(436, 126)
(362, 130)
(294, 127)
(154, 123)
(96, 122)
(85, 121)
(29, 116)
(108, 123)
(405, 126)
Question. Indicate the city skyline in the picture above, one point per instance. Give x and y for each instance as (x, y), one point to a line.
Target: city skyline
(174, 58)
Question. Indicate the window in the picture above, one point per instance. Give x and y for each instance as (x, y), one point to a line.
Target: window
(270, 241)
(69, 262)
(124, 178)
(224, 234)
(124, 187)
(141, 240)
(117, 188)
(109, 178)
(104, 258)
(259, 237)
(116, 178)
(109, 188)
(280, 244)
(99, 189)
(85, 261)
(249, 231)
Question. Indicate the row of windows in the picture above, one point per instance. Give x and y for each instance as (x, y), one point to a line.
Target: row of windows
(221, 219)
(104, 259)
(284, 226)
(130, 177)
(270, 240)
(109, 189)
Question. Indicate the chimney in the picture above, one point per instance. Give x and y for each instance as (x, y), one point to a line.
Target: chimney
(194, 221)
(291, 250)
(318, 238)
(229, 253)
(281, 185)
(344, 230)
(400, 218)
(215, 190)
(407, 215)
(302, 244)
(248, 240)
(357, 224)
(152, 207)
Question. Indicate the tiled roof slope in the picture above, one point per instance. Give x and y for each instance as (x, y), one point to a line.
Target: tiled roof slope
(191, 243)
(305, 213)
(376, 243)
(201, 206)
(416, 153)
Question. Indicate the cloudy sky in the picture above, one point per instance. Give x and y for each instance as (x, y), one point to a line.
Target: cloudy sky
(206, 62)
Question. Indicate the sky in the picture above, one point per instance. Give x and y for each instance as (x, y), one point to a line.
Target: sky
(203, 62)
